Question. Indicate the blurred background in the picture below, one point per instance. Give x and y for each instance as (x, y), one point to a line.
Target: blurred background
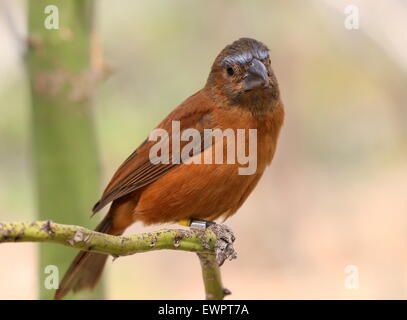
(336, 194)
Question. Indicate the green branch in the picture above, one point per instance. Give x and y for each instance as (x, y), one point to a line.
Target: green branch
(214, 245)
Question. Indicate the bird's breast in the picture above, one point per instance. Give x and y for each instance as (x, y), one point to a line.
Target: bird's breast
(206, 189)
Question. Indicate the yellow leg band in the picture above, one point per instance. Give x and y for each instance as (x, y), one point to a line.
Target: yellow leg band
(185, 222)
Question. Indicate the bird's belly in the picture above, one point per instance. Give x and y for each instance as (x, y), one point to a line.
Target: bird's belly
(202, 191)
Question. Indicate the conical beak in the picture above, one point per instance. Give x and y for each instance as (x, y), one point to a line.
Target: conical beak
(257, 76)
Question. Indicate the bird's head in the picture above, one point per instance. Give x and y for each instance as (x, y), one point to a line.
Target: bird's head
(242, 74)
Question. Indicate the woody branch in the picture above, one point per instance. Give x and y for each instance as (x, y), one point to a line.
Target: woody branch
(213, 246)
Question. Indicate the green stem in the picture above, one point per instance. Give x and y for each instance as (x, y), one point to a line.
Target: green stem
(211, 277)
(88, 240)
(65, 156)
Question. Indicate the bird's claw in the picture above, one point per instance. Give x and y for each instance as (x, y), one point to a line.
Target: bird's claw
(224, 244)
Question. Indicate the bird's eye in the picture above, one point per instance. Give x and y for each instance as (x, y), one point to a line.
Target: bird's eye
(230, 71)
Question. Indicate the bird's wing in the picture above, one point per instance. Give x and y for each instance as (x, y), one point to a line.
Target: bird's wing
(138, 170)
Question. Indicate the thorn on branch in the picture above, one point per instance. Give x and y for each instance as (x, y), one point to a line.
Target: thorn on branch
(79, 236)
(179, 236)
(153, 241)
(47, 227)
(226, 292)
(177, 242)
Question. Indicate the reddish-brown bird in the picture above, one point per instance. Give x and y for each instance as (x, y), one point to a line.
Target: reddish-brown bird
(241, 93)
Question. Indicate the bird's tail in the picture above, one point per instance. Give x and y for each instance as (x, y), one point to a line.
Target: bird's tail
(87, 267)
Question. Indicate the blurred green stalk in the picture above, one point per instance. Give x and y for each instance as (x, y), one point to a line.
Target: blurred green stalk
(65, 156)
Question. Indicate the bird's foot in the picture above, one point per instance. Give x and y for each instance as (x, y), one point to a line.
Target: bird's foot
(224, 245)
(224, 235)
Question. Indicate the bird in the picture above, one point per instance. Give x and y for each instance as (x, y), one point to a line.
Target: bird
(241, 93)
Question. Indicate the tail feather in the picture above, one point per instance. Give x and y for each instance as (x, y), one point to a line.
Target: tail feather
(86, 269)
